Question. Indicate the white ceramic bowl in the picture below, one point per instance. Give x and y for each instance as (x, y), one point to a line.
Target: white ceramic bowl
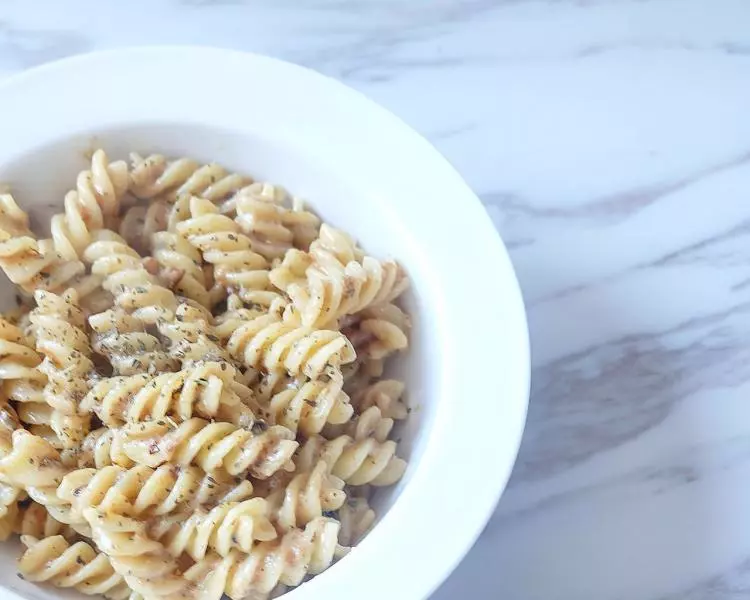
(365, 171)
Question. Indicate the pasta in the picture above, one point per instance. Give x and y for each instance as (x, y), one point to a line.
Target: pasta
(142, 490)
(216, 447)
(58, 327)
(203, 390)
(193, 399)
(287, 560)
(226, 526)
(54, 560)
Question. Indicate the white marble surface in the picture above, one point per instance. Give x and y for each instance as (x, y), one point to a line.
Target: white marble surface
(610, 141)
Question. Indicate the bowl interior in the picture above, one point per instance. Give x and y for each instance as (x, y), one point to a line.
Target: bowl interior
(40, 178)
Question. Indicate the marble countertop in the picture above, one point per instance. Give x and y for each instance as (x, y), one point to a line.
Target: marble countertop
(610, 142)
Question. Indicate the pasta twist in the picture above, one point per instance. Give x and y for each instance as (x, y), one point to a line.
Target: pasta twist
(123, 340)
(34, 265)
(202, 390)
(10, 512)
(143, 491)
(379, 332)
(230, 251)
(332, 291)
(310, 406)
(215, 447)
(357, 518)
(156, 176)
(272, 227)
(286, 560)
(34, 465)
(21, 380)
(36, 522)
(224, 527)
(141, 222)
(368, 424)
(54, 560)
(146, 566)
(304, 497)
(92, 205)
(387, 395)
(102, 448)
(334, 243)
(140, 293)
(357, 462)
(273, 344)
(192, 337)
(58, 326)
(292, 269)
(181, 265)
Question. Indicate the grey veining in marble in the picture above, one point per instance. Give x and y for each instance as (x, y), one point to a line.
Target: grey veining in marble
(610, 142)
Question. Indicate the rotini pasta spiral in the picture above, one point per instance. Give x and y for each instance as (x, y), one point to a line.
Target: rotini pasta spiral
(10, 495)
(58, 326)
(368, 424)
(91, 206)
(143, 491)
(36, 522)
(230, 251)
(123, 340)
(102, 448)
(54, 560)
(379, 332)
(305, 496)
(310, 406)
(144, 563)
(34, 265)
(269, 343)
(222, 528)
(141, 222)
(181, 265)
(192, 337)
(386, 394)
(272, 227)
(331, 292)
(357, 462)
(357, 518)
(202, 390)
(34, 465)
(215, 447)
(156, 176)
(140, 293)
(21, 380)
(291, 269)
(287, 560)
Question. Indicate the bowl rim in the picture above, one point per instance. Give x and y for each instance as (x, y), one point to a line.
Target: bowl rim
(431, 525)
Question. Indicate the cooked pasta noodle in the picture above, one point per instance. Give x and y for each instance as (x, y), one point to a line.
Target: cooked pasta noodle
(222, 528)
(203, 390)
(357, 518)
(144, 563)
(193, 399)
(143, 491)
(357, 462)
(215, 447)
(223, 245)
(54, 560)
(305, 496)
(271, 226)
(287, 560)
(58, 326)
(275, 344)
(92, 205)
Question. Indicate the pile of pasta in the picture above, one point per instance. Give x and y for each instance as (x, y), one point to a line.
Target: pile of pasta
(193, 401)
